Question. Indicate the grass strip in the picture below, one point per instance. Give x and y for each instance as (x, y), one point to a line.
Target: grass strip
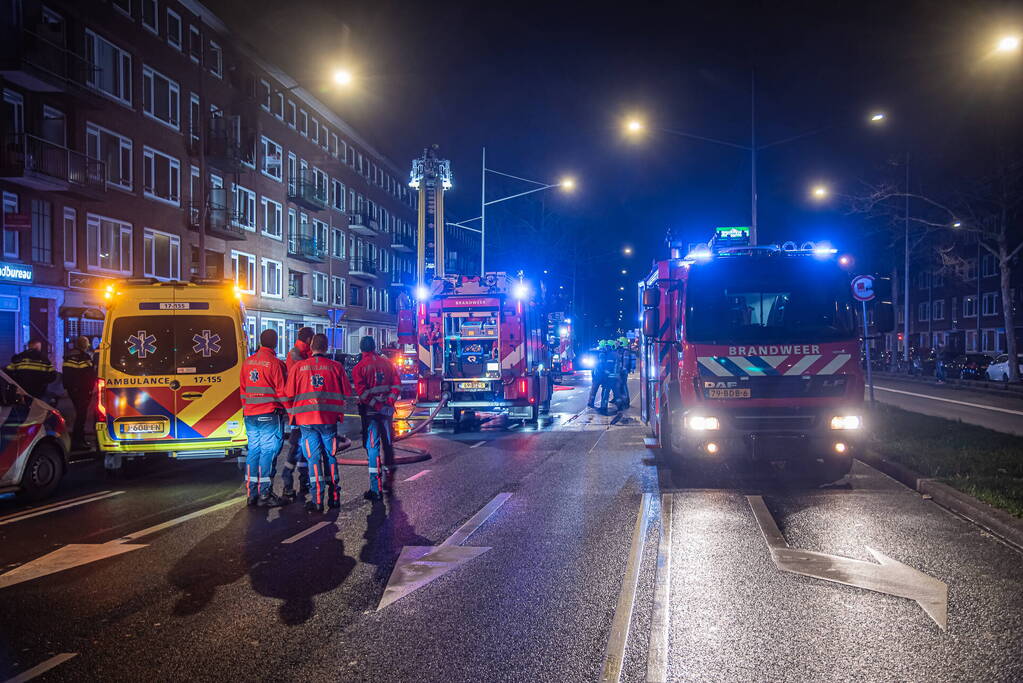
(985, 464)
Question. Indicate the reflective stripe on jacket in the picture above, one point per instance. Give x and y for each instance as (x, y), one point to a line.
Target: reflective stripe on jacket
(262, 384)
(78, 375)
(377, 383)
(316, 391)
(32, 370)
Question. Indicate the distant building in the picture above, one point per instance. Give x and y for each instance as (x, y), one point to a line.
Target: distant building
(128, 125)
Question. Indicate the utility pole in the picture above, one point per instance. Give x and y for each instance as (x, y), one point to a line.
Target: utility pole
(483, 214)
(905, 291)
(753, 157)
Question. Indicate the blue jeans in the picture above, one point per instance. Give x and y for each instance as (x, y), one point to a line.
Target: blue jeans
(266, 435)
(319, 444)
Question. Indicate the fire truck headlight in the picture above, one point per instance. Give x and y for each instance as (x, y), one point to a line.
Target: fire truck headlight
(588, 361)
(702, 423)
(846, 422)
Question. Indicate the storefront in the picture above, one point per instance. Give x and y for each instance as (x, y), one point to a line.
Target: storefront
(28, 310)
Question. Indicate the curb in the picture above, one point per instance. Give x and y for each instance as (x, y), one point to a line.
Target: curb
(989, 518)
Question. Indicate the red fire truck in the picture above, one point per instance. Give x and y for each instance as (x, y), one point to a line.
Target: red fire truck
(753, 353)
(482, 341)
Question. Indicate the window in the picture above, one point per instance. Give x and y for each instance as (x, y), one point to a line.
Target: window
(338, 196)
(244, 207)
(194, 121)
(149, 14)
(14, 111)
(969, 307)
(173, 28)
(194, 44)
(112, 149)
(273, 216)
(938, 309)
(292, 225)
(938, 279)
(333, 145)
(988, 265)
(278, 105)
(971, 340)
(243, 266)
(271, 285)
(971, 270)
(216, 60)
(162, 255)
(108, 243)
(296, 284)
(292, 114)
(123, 6)
(70, 237)
(292, 174)
(303, 122)
(322, 183)
(325, 138)
(162, 176)
(273, 159)
(321, 235)
(989, 303)
(42, 231)
(111, 72)
(923, 312)
(54, 128)
(12, 238)
(355, 296)
(264, 94)
(314, 130)
(319, 288)
(337, 243)
(160, 97)
(337, 291)
(250, 333)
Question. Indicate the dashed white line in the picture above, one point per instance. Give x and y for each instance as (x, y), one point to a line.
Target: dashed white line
(302, 534)
(416, 475)
(477, 444)
(40, 669)
(951, 400)
(54, 507)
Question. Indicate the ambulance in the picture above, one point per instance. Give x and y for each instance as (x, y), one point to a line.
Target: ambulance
(168, 371)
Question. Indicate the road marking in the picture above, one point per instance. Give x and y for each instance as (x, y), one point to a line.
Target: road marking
(54, 507)
(77, 554)
(418, 565)
(596, 442)
(40, 669)
(657, 654)
(516, 425)
(477, 444)
(417, 475)
(614, 655)
(302, 534)
(951, 400)
(890, 576)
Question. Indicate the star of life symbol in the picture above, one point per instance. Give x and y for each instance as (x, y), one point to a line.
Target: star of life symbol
(253, 375)
(206, 343)
(317, 381)
(141, 344)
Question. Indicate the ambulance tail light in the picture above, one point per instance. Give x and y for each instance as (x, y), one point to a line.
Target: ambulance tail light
(101, 409)
(421, 389)
(523, 387)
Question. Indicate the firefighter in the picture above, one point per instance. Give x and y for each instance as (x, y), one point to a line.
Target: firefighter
(377, 386)
(78, 375)
(597, 375)
(263, 405)
(294, 460)
(316, 391)
(609, 362)
(626, 364)
(32, 370)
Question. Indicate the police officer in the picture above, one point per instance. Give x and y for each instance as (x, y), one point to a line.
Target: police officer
(597, 375)
(378, 386)
(78, 375)
(316, 391)
(263, 405)
(31, 369)
(294, 461)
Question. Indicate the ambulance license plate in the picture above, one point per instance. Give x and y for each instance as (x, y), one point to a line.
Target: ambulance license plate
(141, 427)
(729, 393)
(472, 386)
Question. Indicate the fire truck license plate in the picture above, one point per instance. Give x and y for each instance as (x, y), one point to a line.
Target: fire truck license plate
(728, 393)
(141, 427)
(471, 386)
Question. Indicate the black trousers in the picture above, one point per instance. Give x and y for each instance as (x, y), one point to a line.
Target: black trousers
(82, 405)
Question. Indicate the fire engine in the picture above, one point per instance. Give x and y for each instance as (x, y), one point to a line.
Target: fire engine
(482, 341)
(562, 341)
(752, 353)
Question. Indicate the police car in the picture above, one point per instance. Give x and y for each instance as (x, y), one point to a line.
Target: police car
(34, 443)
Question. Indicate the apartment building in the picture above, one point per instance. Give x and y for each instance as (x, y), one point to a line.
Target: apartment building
(137, 133)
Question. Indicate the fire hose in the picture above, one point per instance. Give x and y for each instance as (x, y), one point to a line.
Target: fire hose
(414, 454)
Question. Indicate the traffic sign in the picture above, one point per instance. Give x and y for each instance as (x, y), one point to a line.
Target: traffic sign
(863, 288)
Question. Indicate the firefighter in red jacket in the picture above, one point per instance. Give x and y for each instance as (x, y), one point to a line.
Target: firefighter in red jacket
(378, 386)
(294, 461)
(263, 405)
(316, 392)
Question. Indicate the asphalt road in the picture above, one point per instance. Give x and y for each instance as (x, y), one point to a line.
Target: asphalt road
(1000, 413)
(176, 581)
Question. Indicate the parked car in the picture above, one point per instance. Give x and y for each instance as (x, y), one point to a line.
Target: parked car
(999, 368)
(34, 443)
(968, 366)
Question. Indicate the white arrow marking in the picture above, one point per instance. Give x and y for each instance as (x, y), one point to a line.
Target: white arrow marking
(40, 669)
(418, 565)
(890, 576)
(417, 475)
(77, 554)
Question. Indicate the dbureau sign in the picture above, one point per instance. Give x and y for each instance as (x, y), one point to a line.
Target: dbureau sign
(15, 272)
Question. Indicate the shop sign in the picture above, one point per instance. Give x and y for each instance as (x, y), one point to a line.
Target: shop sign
(15, 272)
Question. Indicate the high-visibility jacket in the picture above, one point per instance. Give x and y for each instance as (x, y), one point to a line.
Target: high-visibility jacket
(33, 371)
(377, 383)
(263, 379)
(299, 352)
(316, 391)
(78, 375)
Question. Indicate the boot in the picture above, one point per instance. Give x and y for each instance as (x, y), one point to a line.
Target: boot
(311, 506)
(269, 500)
(289, 495)
(251, 501)
(372, 495)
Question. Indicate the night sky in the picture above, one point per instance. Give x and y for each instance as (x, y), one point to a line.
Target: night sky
(546, 89)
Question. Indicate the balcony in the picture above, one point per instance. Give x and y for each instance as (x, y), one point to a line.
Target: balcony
(305, 248)
(303, 190)
(363, 268)
(402, 279)
(42, 165)
(40, 63)
(219, 220)
(223, 146)
(402, 242)
(362, 224)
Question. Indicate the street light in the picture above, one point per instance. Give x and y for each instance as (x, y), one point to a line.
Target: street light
(567, 184)
(878, 117)
(627, 251)
(1008, 43)
(633, 126)
(820, 192)
(343, 77)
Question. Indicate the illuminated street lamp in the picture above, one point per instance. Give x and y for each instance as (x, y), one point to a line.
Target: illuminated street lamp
(1008, 43)
(820, 192)
(343, 77)
(627, 251)
(878, 117)
(633, 126)
(567, 184)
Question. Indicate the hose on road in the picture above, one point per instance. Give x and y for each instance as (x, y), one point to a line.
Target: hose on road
(414, 454)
